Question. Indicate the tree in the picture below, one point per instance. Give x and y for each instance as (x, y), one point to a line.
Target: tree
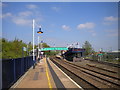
(88, 48)
(44, 45)
(12, 49)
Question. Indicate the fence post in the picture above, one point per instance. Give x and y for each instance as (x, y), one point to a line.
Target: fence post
(14, 70)
(21, 67)
(22, 60)
(0, 74)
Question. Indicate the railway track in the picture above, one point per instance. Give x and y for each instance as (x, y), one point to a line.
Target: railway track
(87, 77)
(107, 63)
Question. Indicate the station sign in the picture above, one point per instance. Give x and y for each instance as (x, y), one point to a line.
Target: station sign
(53, 48)
(24, 49)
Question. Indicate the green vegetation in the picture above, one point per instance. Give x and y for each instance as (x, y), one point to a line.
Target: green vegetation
(88, 48)
(51, 53)
(14, 49)
(44, 45)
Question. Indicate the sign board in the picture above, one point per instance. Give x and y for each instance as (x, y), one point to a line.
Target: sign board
(78, 50)
(53, 48)
(100, 54)
(24, 49)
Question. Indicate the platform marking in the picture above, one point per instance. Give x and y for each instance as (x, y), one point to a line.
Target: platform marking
(50, 86)
(69, 77)
(56, 79)
(36, 76)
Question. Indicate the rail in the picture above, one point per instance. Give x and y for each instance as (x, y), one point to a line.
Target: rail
(92, 77)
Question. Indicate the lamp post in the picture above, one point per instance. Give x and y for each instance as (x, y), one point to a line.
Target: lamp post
(38, 46)
(33, 27)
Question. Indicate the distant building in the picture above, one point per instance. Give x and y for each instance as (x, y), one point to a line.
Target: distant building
(116, 54)
(74, 53)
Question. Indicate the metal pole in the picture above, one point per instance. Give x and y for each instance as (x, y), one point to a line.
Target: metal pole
(38, 46)
(33, 40)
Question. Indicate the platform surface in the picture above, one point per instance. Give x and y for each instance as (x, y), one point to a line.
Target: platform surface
(45, 75)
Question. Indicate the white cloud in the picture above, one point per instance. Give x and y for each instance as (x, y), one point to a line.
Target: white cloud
(22, 21)
(112, 33)
(23, 18)
(56, 9)
(31, 6)
(6, 15)
(108, 23)
(65, 27)
(110, 18)
(25, 13)
(87, 25)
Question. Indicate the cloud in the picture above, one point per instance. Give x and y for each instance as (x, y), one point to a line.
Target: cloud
(65, 27)
(56, 9)
(6, 15)
(25, 13)
(110, 18)
(19, 15)
(22, 21)
(112, 33)
(87, 25)
(108, 23)
(22, 18)
(31, 6)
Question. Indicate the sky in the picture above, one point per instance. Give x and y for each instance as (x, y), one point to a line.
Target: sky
(63, 23)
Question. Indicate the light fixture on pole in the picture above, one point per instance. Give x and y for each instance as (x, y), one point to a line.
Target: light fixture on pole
(39, 32)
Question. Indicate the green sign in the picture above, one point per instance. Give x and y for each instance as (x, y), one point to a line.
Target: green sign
(100, 54)
(53, 48)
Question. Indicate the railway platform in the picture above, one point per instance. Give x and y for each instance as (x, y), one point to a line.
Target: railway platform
(45, 75)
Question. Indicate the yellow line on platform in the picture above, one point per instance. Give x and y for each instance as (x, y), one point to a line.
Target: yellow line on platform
(49, 83)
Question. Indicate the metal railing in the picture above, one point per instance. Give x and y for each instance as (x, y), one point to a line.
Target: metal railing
(13, 69)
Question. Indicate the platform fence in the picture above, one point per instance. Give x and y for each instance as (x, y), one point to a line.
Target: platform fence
(13, 69)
